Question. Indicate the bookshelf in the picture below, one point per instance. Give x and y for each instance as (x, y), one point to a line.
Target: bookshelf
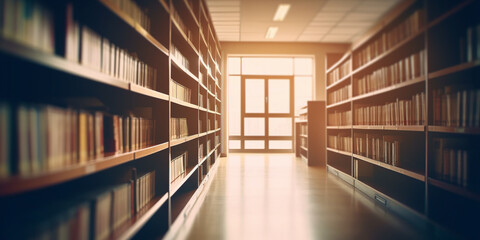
(309, 132)
(402, 117)
(109, 116)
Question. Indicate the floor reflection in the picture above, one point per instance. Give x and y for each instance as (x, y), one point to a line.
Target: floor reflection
(276, 196)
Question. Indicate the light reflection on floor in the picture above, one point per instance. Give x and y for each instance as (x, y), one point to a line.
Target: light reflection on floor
(276, 196)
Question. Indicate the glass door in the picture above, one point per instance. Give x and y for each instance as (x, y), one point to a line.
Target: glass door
(267, 114)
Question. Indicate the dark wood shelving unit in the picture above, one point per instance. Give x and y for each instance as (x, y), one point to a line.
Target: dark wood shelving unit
(414, 189)
(309, 140)
(109, 94)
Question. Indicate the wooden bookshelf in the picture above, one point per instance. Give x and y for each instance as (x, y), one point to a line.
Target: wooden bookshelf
(425, 139)
(309, 132)
(107, 62)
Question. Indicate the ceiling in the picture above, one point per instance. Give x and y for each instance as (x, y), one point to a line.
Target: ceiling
(307, 21)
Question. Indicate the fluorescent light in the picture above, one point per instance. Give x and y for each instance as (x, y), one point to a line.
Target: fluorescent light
(271, 32)
(281, 12)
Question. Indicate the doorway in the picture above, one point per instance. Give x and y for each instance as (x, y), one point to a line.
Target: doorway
(264, 95)
(267, 114)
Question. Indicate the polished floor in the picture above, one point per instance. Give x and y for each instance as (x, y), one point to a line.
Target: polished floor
(276, 196)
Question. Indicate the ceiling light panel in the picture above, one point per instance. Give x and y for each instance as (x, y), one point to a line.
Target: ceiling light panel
(281, 12)
(271, 32)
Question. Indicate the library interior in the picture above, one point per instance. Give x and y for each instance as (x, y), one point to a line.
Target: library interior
(239, 119)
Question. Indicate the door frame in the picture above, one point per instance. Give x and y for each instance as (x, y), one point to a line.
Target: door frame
(266, 115)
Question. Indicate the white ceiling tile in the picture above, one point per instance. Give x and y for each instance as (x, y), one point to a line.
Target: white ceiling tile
(361, 16)
(307, 20)
(344, 30)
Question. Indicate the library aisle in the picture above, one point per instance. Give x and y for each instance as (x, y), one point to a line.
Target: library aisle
(276, 196)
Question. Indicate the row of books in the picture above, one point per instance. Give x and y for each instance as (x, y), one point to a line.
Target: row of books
(178, 166)
(100, 54)
(304, 143)
(399, 112)
(403, 70)
(304, 129)
(456, 107)
(341, 141)
(131, 8)
(452, 160)
(27, 22)
(201, 101)
(201, 128)
(178, 19)
(201, 152)
(217, 139)
(181, 92)
(100, 214)
(390, 38)
(470, 44)
(340, 72)
(340, 94)
(377, 147)
(339, 118)
(179, 128)
(51, 138)
(179, 57)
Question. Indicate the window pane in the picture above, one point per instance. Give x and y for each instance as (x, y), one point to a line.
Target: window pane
(233, 65)
(254, 144)
(234, 106)
(303, 66)
(254, 95)
(234, 144)
(303, 92)
(279, 96)
(254, 127)
(267, 66)
(280, 126)
(279, 144)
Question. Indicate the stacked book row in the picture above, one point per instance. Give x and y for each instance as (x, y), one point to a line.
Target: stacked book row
(100, 54)
(27, 22)
(181, 92)
(339, 118)
(340, 72)
(403, 70)
(340, 94)
(341, 141)
(452, 161)
(304, 142)
(176, 16)
(177, 166)
(201, 128)
(51, 138)
(131, 8)
(101, 214)
(377, 147)
(470, 44)
(399, 112)
(390, 38)
(201, 101)
(179, 57)
(201, 152)
(456, 107)
(179, 128)
(304, 129)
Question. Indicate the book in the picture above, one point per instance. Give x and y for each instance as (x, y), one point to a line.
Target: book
(5, 140)
(178, 166)
(451, 160)
(29, 23)
(179, 128)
